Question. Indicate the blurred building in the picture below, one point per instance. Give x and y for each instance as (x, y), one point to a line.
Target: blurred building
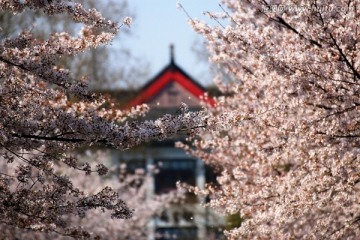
(164, 94)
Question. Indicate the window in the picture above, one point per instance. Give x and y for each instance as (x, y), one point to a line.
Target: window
(173, 93)
(176, 233)
(172, 171)
(173, 96)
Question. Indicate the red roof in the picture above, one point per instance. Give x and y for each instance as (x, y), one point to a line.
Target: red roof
(171, 73)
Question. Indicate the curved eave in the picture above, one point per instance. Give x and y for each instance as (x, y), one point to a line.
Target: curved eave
(169, 74)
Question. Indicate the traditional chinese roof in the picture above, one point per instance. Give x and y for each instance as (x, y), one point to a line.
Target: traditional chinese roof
(170, 87)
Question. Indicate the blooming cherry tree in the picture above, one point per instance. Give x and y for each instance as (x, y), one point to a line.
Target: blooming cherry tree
(131, 188)
(46, 114)
(289, 150)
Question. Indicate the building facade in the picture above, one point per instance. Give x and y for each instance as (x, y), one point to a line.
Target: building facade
(164, 94)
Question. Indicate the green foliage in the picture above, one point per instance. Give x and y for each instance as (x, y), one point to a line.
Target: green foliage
(233, 221)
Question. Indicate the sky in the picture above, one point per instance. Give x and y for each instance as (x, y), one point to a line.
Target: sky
(159, 23)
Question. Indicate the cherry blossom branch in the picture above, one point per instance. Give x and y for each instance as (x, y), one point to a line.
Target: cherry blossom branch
(356, 73)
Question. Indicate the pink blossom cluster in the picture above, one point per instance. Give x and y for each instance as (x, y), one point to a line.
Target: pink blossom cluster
(45, 114)
(95, 224)
(290, 157)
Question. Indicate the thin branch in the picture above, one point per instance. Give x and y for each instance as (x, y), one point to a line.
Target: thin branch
(59, 139)
(22, 67)
(338, 136)
(65, 85)
(287, 25)
(356, 74)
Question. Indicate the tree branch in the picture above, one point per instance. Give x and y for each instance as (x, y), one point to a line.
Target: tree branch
(356, 74)
(288, 26)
